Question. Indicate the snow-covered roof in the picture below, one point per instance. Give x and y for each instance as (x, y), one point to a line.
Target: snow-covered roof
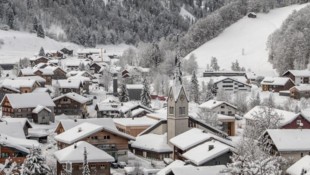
(39, 108)
(302, 87)
(75, 154)
(22, 121)
(70, 123)
(211, 104)
(167, 169)
(223, 117)
(239, 79)
(301, 164)
(8, 142)
(18, 83)
(106, 106)
(277, 81)
(290, 139)
(78, 132)
(286, 116)
(90, 50)
(4, 138)
(159, 114)
(13, 129)
(206, 152)
(136, 121)
(29, 100)
(299, 73)
(176, 90)
(68, 83)
(134, 86)
(36, 78)
(79, 78)
(202, 170)
(86, 129)
(189, 138)
(74, 96)
(152, 142)
(40, 90)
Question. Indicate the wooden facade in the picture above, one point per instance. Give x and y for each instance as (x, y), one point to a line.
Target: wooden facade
(7, 90)
(68, 106)
(295, 124)
(96, 168)
(298, 94)
(10, 152)
(39, 60)
(277, 88)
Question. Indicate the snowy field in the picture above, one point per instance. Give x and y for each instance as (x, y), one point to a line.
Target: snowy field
(22, 44)
(249, 36)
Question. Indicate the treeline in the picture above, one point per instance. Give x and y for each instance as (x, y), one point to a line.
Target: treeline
(88, 22)
(289, 46)
(211, 26)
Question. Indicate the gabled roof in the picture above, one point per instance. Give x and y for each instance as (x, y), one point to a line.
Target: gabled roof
(301, 88)
(22, 121)
(176, 91)
(298, 73)
(25, 143)
(13, 129)
(168, 168)
(277, 81)
(202, 153)
(36, 78)
(86, 129)
(222, 78)
(10, 88)
(29, 100)
(74, 96)
(299, 166)
(137, 121)
(75, 154)
(69, 83)
(39, 108)
(290, 139)
(211, 104)
(152, 142)
(70, 123)
(286, 116)
(18, 83)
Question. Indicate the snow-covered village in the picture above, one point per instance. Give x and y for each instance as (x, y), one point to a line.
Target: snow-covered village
(157, 87)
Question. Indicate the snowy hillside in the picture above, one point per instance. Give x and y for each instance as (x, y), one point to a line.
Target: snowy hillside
(21, 44)
(245, 41)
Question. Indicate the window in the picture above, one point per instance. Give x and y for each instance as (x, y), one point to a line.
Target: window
(222, 112)
(106, 137)
(171, 109)
(102, 167)
(227, 86)
(182, 110)
(4, 155)
(298, 122)
(222, 107)
(301, 154)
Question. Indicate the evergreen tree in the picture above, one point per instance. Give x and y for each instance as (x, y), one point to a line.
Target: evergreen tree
(82, 66)
(145, 94)
(35, 163)
(35, 24)
(214, 65)
(56, 86)
(194, 88)
(41, 52)
(86, 170)
(123, 96)
(40, 31)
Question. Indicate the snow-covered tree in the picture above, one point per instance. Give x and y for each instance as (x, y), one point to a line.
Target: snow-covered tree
(145, 94)
(40, 31)
(190, 65)
(254, 100)
(194, 88)
(82, 66)
(209, 118)
(214, 65)
(241, 102)
(8, 167)
(35, 163)
(222, 95)
(265, 118)
(56, 87)
(123, 96)
(41, 52)
(86, 170)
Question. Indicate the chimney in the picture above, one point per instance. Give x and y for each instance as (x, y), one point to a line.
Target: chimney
(75, 146)
(79, 129)
(211, 147)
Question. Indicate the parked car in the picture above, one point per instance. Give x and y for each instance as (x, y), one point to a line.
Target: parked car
(121, 164)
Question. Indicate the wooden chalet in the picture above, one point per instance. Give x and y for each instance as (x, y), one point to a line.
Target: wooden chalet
(70, 104)
(276, 84)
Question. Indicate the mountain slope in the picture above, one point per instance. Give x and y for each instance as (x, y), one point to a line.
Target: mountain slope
(249, 35)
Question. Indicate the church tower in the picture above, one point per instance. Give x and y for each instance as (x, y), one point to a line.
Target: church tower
(177, 106)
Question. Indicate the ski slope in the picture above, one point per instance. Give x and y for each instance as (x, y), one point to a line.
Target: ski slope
(21, 44)
(245, 41)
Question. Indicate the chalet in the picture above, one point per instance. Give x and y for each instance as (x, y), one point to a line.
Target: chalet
(107, 109)
(23, 86)
(80, 73)
(151, 146)
(302, 166)
(193, 138)
(252, 15)
(288, 120)
(100, 59)
(97, 67)
(37, 60)
(75, 65)
(15, 148)
(66, 86)
(219, 107)
(22, 105)
(276, 84)
(291, 144)
(7, 90)
(108, 139)
(54, 54)
(133, 126)
(298, 76)
(38, 79)
(85, 53)
(67, 51)
(70, 104)
(25, 123)
(99, 161)
(231, 85)
(134, 91)
(301, 91)
(134, 73)
(42, 115)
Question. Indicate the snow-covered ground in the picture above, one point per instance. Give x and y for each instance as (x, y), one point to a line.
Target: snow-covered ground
(249, 36)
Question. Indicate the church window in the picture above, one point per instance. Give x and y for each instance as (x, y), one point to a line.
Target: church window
(171, 110)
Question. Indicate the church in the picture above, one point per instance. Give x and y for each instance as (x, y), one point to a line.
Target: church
(154, 142)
